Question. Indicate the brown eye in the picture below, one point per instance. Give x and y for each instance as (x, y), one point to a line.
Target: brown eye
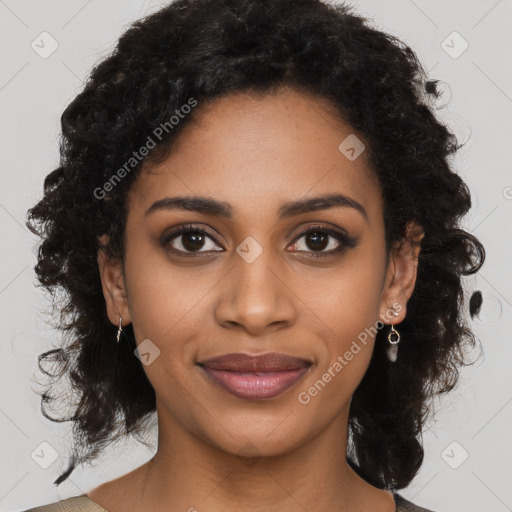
(192, 241)
(319, 238)
(189, 239)
(317, 241)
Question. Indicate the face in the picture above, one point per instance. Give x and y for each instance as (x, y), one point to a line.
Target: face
(260, 268)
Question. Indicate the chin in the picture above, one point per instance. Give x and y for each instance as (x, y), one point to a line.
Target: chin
(248, 437)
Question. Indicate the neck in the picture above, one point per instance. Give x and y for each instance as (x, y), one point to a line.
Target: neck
(189, 473)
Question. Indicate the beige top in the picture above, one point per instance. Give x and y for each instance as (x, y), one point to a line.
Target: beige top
(83, 503)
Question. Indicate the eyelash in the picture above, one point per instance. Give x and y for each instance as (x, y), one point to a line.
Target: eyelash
(346, 241)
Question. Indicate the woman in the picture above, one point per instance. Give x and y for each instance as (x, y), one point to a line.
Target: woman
(257, 229)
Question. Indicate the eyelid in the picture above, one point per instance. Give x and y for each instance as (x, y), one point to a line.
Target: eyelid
(336, 232)
(345, 240)
(174, 233)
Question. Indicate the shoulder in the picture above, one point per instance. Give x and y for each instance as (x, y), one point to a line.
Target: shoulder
(80, 503)
(403, 505)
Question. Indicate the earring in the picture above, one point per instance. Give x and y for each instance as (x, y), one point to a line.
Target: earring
(120, 330)
(392, 349)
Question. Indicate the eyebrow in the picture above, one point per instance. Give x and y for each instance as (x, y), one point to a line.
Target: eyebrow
(211, 206)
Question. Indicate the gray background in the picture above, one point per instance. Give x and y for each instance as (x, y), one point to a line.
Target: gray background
(34, 91)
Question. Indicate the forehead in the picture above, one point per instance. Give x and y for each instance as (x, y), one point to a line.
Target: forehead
(259, 151)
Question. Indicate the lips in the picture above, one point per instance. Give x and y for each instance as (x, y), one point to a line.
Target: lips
(271, 362)
(255, 377)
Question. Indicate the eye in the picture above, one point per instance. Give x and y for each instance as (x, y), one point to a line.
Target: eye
(189, 240)
(319, 238)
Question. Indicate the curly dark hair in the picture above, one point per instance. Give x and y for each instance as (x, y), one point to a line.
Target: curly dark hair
(205, 49)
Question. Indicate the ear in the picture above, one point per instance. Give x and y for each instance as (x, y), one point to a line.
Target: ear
(113, 285)
(401, 276)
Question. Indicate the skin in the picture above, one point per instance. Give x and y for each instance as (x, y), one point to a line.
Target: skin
(254, 152)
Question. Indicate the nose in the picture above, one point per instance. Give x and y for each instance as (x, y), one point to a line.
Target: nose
(256, 298)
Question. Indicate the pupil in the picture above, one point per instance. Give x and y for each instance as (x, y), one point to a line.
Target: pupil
(193, 241)
(317, 241)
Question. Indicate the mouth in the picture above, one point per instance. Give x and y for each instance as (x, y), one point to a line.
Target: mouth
(255, 377)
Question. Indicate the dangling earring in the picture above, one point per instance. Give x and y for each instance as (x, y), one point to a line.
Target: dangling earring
(393, 339)
(392, 349)
(120, 330)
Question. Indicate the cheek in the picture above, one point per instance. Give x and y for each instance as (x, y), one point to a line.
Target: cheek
(350, 325)
(350, 299)
(351, 317)
(158, 295)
